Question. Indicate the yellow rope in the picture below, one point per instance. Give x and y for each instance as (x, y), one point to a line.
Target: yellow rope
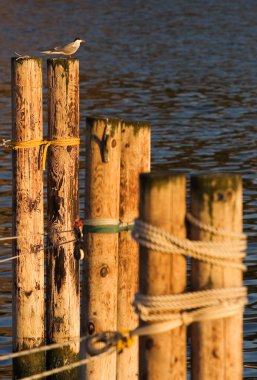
(15, 145)
(127, 341)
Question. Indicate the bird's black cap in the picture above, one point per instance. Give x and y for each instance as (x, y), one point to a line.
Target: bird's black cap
(77, 38)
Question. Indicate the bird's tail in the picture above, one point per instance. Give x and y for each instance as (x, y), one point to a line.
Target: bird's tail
(50, 52)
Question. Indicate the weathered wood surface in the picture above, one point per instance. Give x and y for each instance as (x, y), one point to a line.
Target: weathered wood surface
(163, 205)
(216, 345)
(135, 159)
(28, 269)
(99, 288)
(63, 296)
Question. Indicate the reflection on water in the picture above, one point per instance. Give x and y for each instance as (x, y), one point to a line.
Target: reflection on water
(190, 68)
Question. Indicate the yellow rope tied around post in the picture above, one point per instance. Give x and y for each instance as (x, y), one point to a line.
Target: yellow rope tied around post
(71, 141)
(15, 145)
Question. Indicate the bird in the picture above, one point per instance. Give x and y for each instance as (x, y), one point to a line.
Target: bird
(68, 49)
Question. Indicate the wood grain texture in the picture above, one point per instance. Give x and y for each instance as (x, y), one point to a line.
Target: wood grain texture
(28, 270)
(216, 200)
(135, 159)
(63, 298)
(163, 204)
(99, 287)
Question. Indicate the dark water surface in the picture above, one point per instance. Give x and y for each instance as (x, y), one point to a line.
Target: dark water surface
(189, 68)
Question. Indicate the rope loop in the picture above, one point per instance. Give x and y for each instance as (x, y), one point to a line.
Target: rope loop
(104, 341)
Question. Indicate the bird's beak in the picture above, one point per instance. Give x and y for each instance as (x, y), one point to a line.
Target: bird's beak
(82, 40)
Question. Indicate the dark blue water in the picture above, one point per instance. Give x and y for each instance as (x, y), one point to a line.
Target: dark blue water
(189, 68)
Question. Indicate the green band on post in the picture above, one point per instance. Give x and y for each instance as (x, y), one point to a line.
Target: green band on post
(108, 228)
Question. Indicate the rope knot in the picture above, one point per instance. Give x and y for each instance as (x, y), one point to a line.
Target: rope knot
(103, 341)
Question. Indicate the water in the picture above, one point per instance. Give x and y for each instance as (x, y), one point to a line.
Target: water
(189, 68)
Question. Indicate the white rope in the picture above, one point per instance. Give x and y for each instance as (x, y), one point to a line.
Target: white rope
(54, 232)
(127, 224)
(71, 365)
(250, 366)
(35, 234)
(185, 318)
(160, 308)
(190, 300)
(36, 350)
(101, 222)
(213, 230)
(219, 253)
(10, 259)
(10, 238)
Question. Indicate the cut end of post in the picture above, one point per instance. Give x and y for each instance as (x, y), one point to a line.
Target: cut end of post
(160, 178)
(61, 60)
(104, 121)
(20, 60)
(135, 125)
(63, 63)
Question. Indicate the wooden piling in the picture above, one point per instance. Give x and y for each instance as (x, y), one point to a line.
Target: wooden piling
(99, 284)
(135, 159)
(28, 269)
(163, 205)
(216, 200)
(63, 296)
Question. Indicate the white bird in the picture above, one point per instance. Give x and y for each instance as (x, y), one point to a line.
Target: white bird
(68, 49)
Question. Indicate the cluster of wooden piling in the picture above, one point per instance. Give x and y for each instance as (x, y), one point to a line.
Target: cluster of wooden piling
(116, 153)
(62, 268)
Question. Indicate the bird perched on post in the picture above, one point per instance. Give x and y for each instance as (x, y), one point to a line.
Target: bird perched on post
(68, 49)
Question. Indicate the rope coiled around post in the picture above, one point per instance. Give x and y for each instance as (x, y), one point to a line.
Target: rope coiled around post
(163, 308)
(220, 253)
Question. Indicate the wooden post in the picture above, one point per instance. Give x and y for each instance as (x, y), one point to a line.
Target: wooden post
(63, 312)
(216, 200)
(28, 269)
(163, 205)
(99, 285)
(135, 159)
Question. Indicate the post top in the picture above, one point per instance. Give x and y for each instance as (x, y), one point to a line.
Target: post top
(114, 122)
(61, 59)
(215, 180)
(62, 62)
(26, 59)
(161, 178)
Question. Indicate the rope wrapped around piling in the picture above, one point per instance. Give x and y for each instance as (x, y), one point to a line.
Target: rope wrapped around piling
(205, 304)
(223, 253)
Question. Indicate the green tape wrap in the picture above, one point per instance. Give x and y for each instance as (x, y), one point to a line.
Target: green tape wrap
(108, 228)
